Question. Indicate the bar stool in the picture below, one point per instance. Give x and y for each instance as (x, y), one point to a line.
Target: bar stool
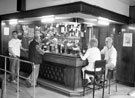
(98, 64)
(112, 74)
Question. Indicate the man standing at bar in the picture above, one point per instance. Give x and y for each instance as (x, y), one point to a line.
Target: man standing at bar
(14, 46)
(35, 56)
(110, 54)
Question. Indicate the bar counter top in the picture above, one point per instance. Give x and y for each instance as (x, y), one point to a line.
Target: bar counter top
(66, 59)
(62, 54)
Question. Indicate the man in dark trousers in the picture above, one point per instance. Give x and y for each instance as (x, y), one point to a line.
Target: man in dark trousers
(35, 56)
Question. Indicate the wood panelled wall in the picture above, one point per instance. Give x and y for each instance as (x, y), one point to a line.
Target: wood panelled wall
(114, 30)
(102, 32)
(126, 68)
(126, 55)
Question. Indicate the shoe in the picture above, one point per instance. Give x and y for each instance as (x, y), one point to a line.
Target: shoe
(105, 83)
(8, 79)
(28, 84)
(86, 82)
(91, 79)
(36, 85)
(14, 81)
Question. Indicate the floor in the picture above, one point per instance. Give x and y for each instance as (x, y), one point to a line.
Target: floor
(45, 93)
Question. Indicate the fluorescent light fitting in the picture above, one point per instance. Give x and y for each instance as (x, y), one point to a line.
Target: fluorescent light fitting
(21, 21)
(102, 18)
(131, 27)
(48, 16)
(105, 23)
(92, 19)
(47, 20)
(13, 21)
(61, 17)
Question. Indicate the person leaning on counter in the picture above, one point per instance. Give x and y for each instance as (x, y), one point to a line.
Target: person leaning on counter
(92, 54)
(35, 56)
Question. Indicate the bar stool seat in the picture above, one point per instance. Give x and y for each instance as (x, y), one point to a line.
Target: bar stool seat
(120, 96)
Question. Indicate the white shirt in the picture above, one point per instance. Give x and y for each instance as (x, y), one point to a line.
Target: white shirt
(92, 54)
(15, 45)
(110, 55)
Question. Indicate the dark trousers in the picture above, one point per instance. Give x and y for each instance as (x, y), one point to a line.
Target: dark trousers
(32, 75)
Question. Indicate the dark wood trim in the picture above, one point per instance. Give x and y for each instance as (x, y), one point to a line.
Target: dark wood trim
(21, 5)
(53, 10)
(68, 8)
(131, 20)
(0, 39)
(132, 14)
(132, 11)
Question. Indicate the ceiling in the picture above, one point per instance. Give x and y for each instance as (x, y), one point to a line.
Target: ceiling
(84, 18)
(129, 2)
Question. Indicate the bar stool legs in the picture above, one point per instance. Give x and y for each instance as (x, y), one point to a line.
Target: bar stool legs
(94, 88)
(84, 84)
(103, 87)
(111, 75)
(109, 86)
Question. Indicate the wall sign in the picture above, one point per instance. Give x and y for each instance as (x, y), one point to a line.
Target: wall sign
(6, 30)
(127, 39)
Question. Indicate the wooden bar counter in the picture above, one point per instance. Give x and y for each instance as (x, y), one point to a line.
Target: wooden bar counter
(62, 69)
(60, 72)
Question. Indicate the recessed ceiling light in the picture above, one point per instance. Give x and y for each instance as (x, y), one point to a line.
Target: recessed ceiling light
(105, 23)
(47, 20)
(92, 19)
(102, 18)
(47, 16)
(131, 27)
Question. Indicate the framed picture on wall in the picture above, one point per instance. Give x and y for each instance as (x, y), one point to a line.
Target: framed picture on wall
(6, 30)
(127, 39)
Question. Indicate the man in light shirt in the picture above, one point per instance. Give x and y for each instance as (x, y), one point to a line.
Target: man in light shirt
(92, 54)
(110, 54)
(14, 46)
